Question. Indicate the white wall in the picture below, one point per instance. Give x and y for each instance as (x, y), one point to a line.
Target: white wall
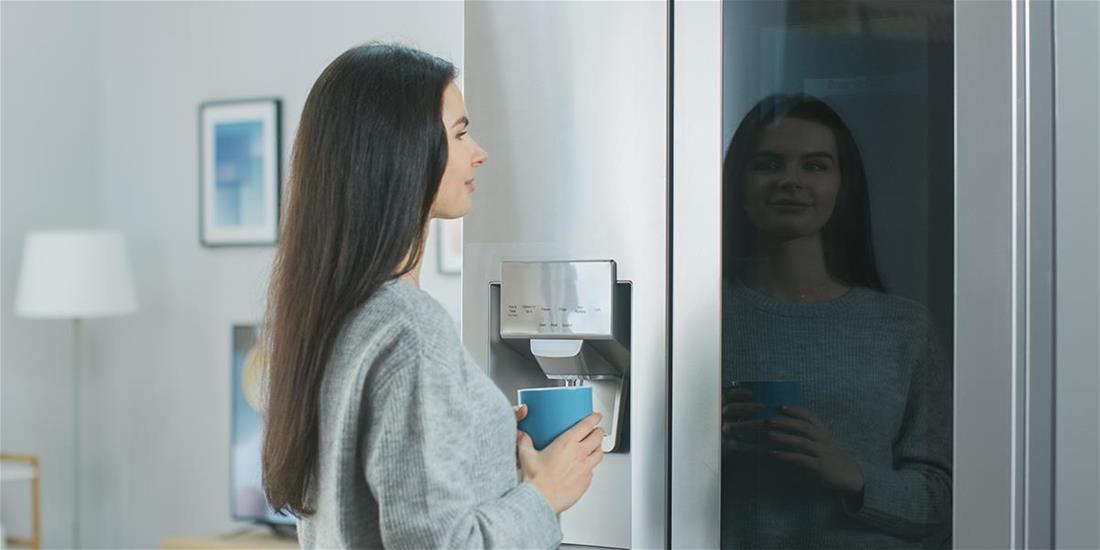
(157, 388)
(46, 181)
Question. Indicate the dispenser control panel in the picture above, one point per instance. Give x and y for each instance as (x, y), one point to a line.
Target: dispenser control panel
(561, 299)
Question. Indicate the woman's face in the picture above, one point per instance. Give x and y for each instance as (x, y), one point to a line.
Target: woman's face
(463, 156)
(791, 180)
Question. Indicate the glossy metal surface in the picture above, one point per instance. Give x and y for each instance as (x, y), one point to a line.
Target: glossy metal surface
(569, 100)
(991, 302)
(696, 273)
(1002, 337)
(557, 299)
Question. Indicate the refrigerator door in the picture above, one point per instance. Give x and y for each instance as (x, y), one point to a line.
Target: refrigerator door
(570, 101)
(949, 105)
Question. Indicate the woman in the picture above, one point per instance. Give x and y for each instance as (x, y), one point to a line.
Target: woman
(381, 432)
(864, 459)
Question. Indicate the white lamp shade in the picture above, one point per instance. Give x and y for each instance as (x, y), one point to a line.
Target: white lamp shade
(74, 275)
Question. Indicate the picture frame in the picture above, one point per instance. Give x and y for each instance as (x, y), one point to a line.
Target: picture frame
(240, 172)
(449, 241)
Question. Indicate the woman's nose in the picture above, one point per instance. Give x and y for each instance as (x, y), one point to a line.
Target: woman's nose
(790, 184)
(480, 156)
(789, 177)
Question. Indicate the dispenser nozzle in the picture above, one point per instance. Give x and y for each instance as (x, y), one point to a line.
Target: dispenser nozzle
(571, 359)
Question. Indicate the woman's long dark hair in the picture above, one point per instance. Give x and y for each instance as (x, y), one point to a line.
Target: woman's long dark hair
(849, 249)
(367, 162)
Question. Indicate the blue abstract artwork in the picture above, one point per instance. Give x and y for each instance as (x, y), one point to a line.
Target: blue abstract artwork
(239, 170)
(239, 174)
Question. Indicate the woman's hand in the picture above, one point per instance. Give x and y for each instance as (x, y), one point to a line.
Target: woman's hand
(738, 408)
(562, 471)
(521, 413)
(798, 437)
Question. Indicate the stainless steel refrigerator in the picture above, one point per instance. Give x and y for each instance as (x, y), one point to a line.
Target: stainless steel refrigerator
(603, 219)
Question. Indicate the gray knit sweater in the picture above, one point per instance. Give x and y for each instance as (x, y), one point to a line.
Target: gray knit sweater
(417, 445)
(872, 371)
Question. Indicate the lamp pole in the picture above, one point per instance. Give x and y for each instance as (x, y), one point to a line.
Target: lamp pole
(75, 275)
(76, 432)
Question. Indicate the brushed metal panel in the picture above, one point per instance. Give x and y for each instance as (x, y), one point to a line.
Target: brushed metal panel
(696, 274)
(557, 299)
(570, 101)
(1077, 459)
(1039, 398)
(986, 484)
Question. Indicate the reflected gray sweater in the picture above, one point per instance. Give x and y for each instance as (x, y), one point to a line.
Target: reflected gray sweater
(417, 445)
(871, 369)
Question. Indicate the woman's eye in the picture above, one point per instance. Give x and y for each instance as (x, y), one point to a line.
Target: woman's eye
(765, 165)
(461, 135)
(816, 166)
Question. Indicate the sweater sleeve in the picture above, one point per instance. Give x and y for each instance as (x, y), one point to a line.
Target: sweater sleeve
(912, 498)
(419, 450)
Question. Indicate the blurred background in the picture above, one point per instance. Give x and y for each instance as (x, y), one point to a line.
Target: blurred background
(133, 270)
(100, 130)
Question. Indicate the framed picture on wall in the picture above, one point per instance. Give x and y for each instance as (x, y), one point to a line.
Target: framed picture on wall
(450, 246)
(240, 151)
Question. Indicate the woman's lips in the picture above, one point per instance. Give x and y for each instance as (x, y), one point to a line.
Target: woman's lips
(470, 185)
(789, 204)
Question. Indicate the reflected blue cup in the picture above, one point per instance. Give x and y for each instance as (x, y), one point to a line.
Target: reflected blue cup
(552, 411)
(772, 394)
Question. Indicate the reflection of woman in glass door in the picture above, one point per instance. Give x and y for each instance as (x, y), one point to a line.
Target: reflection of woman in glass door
(863, 458)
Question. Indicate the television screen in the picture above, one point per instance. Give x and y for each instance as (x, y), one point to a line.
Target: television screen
(247, 500)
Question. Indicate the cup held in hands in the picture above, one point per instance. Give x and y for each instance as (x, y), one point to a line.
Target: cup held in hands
(552, 411)
(772, 394)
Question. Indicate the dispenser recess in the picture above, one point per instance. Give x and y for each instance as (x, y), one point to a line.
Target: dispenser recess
(556, 323)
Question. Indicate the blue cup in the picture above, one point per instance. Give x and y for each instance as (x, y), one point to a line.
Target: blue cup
(772, 394)
(552, 411)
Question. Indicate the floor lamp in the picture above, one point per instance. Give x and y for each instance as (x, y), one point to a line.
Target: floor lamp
(75, 275)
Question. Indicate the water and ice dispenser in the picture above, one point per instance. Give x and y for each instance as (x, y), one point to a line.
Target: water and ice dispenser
(560, 323)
